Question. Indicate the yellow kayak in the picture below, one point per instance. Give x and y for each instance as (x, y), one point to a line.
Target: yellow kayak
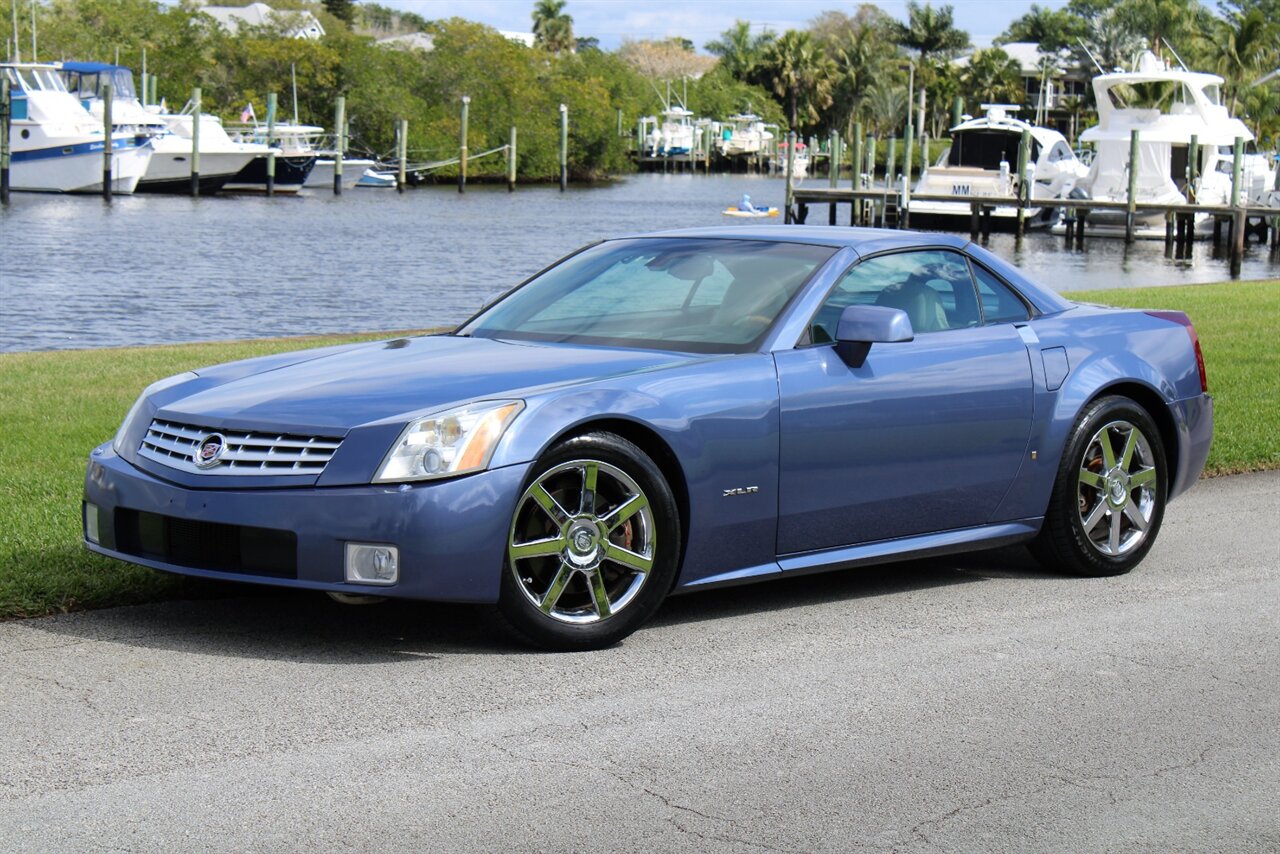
(758, 212)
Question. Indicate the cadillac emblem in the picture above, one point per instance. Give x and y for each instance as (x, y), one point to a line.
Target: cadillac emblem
(209, 451)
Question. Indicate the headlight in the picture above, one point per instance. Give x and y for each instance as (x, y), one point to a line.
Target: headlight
(448, 443)
(157, 386)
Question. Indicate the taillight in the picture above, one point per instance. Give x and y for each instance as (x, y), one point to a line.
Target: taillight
(1180, 318)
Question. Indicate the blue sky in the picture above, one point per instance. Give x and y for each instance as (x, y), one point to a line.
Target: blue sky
(702, 20)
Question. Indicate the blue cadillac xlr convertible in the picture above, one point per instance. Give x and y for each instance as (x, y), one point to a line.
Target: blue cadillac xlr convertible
(672, 412)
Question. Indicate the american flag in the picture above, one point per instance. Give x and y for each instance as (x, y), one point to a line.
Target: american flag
(247, 113)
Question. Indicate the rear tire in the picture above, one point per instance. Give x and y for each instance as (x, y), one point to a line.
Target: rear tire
(1109, 496)
(593, 547)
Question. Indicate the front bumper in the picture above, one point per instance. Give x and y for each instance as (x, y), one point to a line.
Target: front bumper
(451, 534)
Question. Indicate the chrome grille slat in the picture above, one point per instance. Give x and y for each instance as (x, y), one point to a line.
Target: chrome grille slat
(246, 453)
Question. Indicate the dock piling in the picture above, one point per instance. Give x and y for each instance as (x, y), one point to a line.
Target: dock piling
(340, 142)
(195, 142)
(1132, 198)
(271, 153)
(1237, 163)
(106, 141)
(564, 147)
(1193, 167)
(1024, 188)
(833, 173)
(462, 145)
(511, 162)
(855, 166)
(891, 163)
(402, 154)
(1238, 222)
(6, 107)
(787, 216)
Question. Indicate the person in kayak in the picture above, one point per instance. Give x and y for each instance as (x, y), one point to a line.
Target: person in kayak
(745, 205)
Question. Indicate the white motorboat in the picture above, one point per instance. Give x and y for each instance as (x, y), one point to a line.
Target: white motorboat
(801, 160)
(744, 134)
(1167, 107)
(982, 160)
(57, 146)
(170, 168)
(675, 135)
(295, 158)
(353, 169)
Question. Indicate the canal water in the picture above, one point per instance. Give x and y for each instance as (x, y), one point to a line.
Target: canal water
(76, 272)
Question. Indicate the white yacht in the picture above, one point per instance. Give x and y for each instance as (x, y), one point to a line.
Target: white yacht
(982, 160)
(1167, 107)
(170, 168)
(57, 146)
(745, 133)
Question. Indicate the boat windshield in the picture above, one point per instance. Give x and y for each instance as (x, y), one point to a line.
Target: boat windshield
(34, 79)
(89, 84)
(697, 295)
(986, 149)
(1167, 96)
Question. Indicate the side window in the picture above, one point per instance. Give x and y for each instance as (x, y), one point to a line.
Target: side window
(1059, 152)
(932, 286)
(999, 304)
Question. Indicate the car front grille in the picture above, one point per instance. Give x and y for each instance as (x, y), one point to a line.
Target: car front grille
(244, 453)
(206, 545)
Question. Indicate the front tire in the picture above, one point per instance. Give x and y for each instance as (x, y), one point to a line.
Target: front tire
(593, 547)
(1108, 500)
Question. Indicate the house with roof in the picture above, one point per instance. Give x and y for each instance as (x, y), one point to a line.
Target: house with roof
(1053, 85)
(298, 24)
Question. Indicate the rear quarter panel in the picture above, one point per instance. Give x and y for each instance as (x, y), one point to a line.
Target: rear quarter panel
(1107, 349)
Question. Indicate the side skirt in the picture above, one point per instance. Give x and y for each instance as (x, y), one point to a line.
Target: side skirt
(883, 551)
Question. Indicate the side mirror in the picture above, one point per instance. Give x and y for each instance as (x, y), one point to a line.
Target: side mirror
(863, 325)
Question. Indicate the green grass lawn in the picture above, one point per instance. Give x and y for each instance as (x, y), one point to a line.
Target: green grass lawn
(56, 406)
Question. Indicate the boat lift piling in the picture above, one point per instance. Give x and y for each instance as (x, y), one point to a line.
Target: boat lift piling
(195, 142)
(6, 107)
(271, 152)
(871, 176)
(462, 145)
(340, 141)
(144, 75)
(106, 141)
(511, 162)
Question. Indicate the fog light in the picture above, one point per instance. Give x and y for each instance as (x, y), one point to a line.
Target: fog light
(91, 532)
(368, 563)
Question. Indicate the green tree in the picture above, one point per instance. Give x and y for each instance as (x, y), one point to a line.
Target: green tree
(1244, 47)
(930, 32)
(801, 74)
(993, 77)
(552, 28)
(739, 51)
(343, 10)
(1052, 29)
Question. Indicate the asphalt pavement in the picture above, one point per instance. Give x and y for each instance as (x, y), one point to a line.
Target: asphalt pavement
(973, 704)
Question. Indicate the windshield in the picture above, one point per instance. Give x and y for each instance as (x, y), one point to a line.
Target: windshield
(985, 149)
(690, 294)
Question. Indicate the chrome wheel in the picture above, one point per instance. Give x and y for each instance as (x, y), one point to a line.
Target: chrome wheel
(582, 542)
(1117, 494)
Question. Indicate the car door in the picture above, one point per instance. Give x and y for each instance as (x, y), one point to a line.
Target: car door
(925, 435)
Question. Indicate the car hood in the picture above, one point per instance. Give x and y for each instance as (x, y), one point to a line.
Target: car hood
(396, 379)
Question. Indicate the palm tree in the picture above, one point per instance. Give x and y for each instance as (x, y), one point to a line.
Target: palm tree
(1244, 46)
(933, 35)
(930, 32)
(801, 73)
(552, 28)
(739, 51)
(993, 76)
(886, 103)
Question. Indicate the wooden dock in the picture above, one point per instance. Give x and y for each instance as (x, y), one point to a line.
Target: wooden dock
(889, 207)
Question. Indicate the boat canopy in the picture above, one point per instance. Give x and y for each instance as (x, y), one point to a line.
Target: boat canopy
(986, 148)
(86, 79)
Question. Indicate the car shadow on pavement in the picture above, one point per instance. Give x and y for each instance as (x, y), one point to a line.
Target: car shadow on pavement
(307, 627)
